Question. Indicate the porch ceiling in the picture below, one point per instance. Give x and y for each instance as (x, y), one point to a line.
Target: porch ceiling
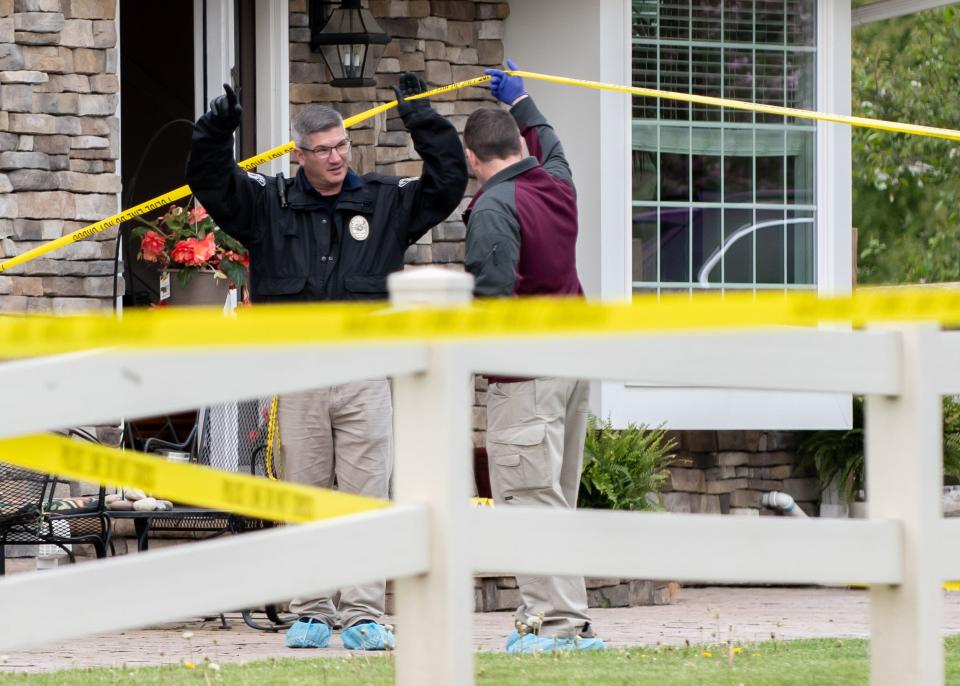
(887, 9)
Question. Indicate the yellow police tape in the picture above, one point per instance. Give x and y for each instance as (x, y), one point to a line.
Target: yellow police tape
(186, 483)
(183, 483)
(860, 122)
(279, 151)
(346, 323)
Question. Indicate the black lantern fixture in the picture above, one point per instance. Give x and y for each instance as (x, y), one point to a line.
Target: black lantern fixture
(350, 41)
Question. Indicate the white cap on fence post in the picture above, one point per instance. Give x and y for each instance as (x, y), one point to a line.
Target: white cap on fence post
(429, 286)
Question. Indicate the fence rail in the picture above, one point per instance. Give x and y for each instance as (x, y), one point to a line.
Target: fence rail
(432, 541)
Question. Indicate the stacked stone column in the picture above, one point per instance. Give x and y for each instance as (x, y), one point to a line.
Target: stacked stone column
(59, 143)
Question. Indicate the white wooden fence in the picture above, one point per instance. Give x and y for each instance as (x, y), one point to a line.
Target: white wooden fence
(432, 540)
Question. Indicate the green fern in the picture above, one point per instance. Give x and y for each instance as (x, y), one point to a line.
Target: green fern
(837, 456)
(622, 468)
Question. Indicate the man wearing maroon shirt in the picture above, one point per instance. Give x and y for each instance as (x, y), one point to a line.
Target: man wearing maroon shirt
(521, 240)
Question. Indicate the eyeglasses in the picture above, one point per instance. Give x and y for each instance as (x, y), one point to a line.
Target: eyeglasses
(322, 152)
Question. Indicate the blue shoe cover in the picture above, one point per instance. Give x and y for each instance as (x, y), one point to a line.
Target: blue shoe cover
(512, 640)
(310, 633)
(531, 643)
(588, 643)
(368, 636)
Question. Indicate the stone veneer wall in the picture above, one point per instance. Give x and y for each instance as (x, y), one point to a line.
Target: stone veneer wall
(59, 142)
(726, 472)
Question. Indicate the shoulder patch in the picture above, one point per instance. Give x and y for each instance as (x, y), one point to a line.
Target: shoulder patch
(258, 178)
(404, 182)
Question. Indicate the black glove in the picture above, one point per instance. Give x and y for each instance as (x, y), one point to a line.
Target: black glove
(410, 84)
(225, 109)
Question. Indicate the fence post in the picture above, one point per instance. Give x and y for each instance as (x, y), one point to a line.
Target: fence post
(904, 473)
(432, 419)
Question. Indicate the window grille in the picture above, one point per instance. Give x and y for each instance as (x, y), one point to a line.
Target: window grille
(723, 198)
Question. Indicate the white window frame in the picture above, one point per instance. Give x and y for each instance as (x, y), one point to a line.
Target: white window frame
(273, 81)
(273, 67)
(209, 75)
(593, 42)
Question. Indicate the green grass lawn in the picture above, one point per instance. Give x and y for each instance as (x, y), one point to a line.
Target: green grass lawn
(799, 663)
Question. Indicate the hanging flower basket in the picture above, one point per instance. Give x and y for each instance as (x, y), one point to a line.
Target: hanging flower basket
(187, 244)
(204, 287)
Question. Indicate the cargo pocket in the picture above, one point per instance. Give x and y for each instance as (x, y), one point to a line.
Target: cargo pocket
(518, 460)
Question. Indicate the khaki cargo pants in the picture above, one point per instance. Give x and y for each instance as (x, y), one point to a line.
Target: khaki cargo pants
(535, 435)
(342, 433)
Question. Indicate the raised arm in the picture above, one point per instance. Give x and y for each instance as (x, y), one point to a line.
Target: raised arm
(227, 192)
(432, 197)
(542, 141)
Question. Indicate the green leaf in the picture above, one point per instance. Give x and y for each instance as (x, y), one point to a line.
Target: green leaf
(236, 272)
(230, 243)
(622, 468)
(145, 226)
(185, 276)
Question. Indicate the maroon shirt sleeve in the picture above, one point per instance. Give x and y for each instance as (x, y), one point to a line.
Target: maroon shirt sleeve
(542, 141)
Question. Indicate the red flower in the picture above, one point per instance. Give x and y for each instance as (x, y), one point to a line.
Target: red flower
(207, 247)
(243, 259)
(183, 251)
(184, 238)
(193, 252)
(197, 214)
(152, 246)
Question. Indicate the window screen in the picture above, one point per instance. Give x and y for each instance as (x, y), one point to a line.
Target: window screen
(723, 198)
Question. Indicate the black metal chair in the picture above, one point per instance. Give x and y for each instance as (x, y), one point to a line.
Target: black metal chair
(31, 513)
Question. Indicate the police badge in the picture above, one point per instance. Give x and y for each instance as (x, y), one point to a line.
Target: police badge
(359, 228)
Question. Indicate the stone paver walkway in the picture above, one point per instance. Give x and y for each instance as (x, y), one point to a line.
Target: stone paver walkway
(702, 615)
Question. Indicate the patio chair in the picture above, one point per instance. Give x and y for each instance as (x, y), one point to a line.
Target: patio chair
(33, 513)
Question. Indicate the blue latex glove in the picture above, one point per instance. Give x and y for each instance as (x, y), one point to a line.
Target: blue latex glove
(506, 88)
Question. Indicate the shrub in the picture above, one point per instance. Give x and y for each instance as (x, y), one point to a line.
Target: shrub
(839, 455)
(622, 469)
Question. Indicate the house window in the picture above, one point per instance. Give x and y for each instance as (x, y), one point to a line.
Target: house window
(723, 198)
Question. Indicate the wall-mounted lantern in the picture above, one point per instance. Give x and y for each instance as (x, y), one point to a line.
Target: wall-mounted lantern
(349, 39)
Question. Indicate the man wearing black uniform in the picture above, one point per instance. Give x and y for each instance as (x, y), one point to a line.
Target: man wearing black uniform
(330, 234)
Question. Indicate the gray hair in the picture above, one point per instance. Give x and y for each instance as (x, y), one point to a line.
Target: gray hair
(313, 119)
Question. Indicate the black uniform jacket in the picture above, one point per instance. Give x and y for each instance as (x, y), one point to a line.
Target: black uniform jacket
(295, 253)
